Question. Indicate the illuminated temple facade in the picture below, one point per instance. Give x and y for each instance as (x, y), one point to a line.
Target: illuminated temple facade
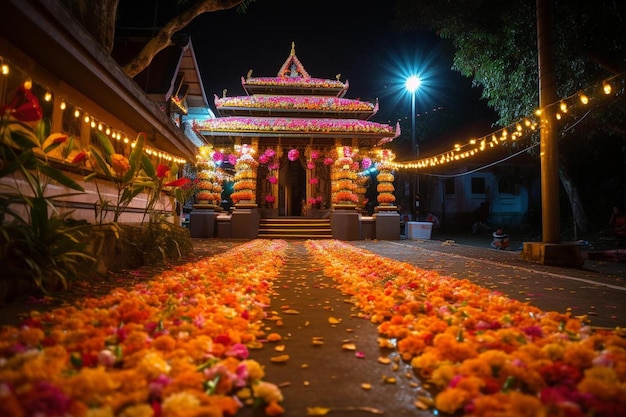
(297, 144)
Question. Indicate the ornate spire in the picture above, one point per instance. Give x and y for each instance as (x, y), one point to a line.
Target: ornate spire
(293, 48)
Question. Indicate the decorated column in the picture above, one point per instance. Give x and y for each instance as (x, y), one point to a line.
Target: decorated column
(344, 179)
(244, 194)
(386, 197)
(387, 216)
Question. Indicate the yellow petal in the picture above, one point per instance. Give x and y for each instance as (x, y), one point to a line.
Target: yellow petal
(279, 359)
(333, 320)
(273, 337)
(348, 346)
(317, 411)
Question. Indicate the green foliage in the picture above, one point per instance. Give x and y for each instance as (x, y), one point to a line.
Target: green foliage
(495, 45)
(37, 244)
(130, 182)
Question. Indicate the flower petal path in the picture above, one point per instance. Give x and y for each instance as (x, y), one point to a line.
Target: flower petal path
(322, 347)
(485, 353)
(174, 346)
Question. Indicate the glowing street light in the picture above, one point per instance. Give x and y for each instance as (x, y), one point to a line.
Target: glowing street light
(412, 84)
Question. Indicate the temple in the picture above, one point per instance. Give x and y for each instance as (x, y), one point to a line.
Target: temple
(296, 144)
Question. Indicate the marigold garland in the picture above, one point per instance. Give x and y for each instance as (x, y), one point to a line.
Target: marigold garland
(173, 346)
(486, 353)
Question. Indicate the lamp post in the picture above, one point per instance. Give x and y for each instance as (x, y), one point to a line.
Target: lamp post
(412, 84)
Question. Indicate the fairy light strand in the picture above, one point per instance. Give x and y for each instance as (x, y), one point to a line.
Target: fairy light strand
(95, 123)
(520, 129)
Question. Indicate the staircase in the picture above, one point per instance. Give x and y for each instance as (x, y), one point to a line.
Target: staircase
(295, 228)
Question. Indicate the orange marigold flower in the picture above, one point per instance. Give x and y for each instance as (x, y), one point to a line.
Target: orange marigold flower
(274, 409)
(451, 400)
(120, 164)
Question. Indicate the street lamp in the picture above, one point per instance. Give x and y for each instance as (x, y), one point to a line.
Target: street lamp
(412, 84)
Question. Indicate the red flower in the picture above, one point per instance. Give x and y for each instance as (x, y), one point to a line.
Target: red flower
(162, 171)
(80, 157)
(24, 106)
(178, 183)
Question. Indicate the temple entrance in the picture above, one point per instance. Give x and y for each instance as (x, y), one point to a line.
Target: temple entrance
(292, 190)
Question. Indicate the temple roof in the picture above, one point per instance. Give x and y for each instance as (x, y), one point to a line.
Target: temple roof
(309, 127)
(295, 106)
(293, 79)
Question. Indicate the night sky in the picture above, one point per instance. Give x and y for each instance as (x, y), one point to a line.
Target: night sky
(354, 38)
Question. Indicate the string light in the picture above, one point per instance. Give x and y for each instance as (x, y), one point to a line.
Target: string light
(28, 83)
(523, 127)
(584, 99)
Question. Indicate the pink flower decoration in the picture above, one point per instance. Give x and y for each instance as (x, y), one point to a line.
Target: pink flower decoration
(310, 165)
(264, 159)
(218, 156)
(314, 181)
(328, 161)
(232, 159)
(272, 179)
(275, 165)
(270, 153)
(270, 198)
(315, 154)
(366, 163)
(293, 154)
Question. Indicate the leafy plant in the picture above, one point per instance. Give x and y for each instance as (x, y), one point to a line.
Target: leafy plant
(125, 173)
(37, 243)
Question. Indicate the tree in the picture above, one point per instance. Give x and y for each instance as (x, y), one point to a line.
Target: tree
(495, 45)
(99, 19)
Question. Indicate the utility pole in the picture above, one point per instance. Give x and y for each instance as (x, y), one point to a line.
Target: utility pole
(550, 250)
(549, 146)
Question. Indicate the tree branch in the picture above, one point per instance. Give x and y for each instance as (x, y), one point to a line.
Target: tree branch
(163, 39)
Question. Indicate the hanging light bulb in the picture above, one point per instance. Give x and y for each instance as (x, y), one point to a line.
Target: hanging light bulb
(63, 106)
(584, 99)
(47, 96)
(5, 69)
(606, 87)
(563, 107)
(76, 113)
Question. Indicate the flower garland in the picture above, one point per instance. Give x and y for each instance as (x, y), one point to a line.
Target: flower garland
(295, 102)
(343, 179)
(295, 82)
(174, 346)
(245, 178)
(485, 353)
(273, 124)
(269, 158)
(385, 178)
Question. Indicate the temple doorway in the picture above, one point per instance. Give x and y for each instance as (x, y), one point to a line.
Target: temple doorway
(292, 190)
